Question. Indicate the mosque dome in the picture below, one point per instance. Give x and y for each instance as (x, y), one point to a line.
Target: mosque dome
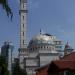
(67, 46)
(68, 49)
(42, 39)
(42, 42)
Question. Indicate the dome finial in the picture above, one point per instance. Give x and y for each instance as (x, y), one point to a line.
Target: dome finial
(67, 42)
(40, 31)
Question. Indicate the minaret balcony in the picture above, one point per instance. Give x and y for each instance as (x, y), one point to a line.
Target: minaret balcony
(24, 11)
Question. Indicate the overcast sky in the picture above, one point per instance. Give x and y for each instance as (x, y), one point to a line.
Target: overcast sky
(56, 17)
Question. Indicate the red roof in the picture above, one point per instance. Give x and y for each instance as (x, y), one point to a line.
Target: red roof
(70, 57)
(70, 65)
(66, 63)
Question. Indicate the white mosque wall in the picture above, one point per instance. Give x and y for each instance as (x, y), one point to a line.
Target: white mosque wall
(32, 62)
(46, 59)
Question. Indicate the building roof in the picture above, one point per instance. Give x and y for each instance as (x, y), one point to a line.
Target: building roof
(61, 65)
(66, 63)
(70, 57)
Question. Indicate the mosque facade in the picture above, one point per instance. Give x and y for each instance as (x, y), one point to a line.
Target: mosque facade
(42, 48)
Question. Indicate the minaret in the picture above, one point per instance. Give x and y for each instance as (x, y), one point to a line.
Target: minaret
(23, 32)
(23, 23)
(68, 49)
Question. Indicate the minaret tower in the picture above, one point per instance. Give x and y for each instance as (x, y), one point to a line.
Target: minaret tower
(23, 30)
(68, 49)
(23, 23)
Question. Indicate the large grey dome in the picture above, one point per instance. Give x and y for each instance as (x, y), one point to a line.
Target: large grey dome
(42, 39)
(44, 42)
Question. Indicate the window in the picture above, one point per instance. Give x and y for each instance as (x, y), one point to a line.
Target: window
(23, 5)
(41, 47)
(58, 46)
(23, 25)
(23, 17)
(44, 46)
(23, 41)
(23, 33)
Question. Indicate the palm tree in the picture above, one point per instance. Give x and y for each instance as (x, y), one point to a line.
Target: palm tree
(6, 7)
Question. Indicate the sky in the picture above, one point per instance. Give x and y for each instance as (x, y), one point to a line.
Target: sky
(56, 17)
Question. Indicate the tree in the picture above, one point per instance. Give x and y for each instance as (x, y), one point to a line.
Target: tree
(6, 7)
(17, 70)
(3, 66)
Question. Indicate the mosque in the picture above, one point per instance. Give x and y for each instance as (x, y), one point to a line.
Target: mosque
(42, 48)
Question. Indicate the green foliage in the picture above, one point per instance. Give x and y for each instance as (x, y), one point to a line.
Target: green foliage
(5, 5)
(18, 71)
(70, 73)
(3, 66)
